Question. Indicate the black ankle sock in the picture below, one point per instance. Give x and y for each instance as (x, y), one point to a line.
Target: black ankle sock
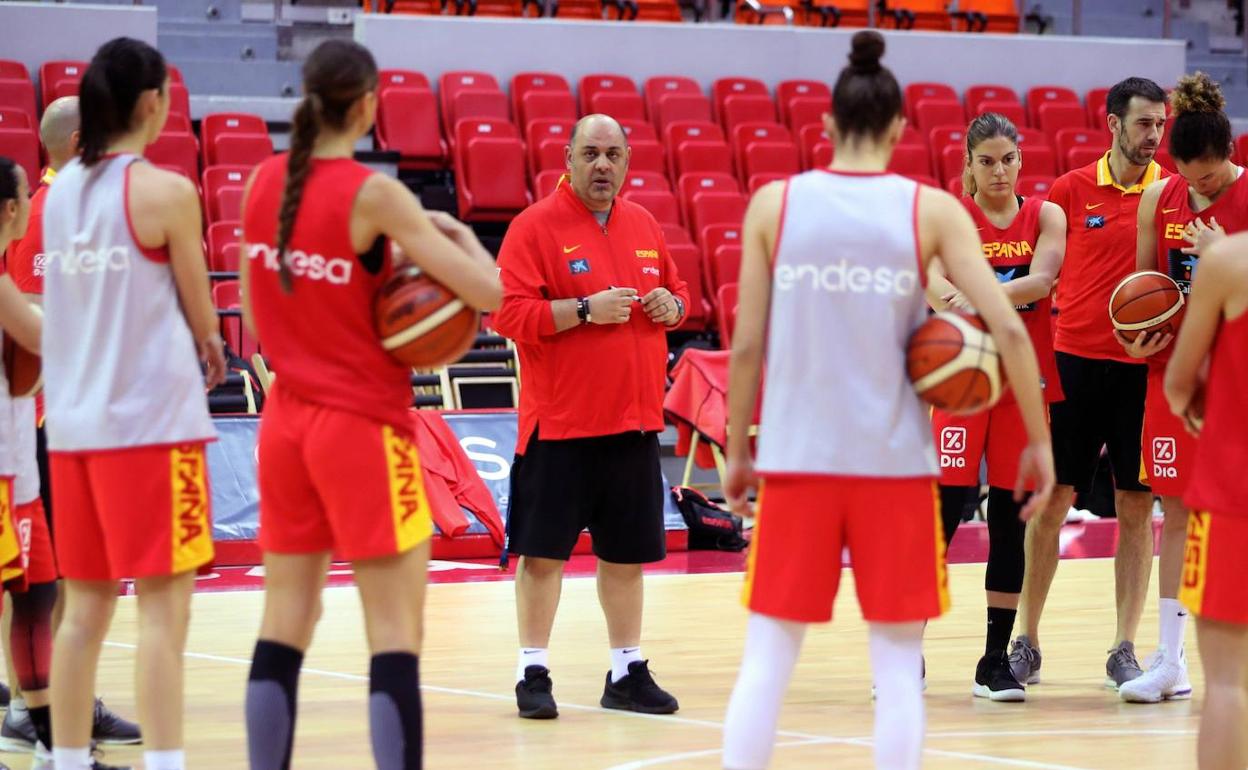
(394, 712)
(1000, 628)
(272, 691)
(41, 718)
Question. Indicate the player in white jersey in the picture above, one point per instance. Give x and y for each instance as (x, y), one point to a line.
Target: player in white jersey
(130, 321)
(831, 287)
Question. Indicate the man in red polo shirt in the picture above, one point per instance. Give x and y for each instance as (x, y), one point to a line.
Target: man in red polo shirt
(589, 292)
(1103, 384)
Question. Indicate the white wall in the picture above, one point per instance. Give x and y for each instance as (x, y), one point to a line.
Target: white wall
(37, 32)
(504, 47)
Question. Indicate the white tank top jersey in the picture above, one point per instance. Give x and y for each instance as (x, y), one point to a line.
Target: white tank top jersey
(26, 483)
(8, 428)
(118, 356)
(846, 293)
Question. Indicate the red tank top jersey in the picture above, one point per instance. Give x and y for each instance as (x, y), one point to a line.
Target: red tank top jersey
(1173, 214)
(1219, 483)
(320, 337)
(1009, 251)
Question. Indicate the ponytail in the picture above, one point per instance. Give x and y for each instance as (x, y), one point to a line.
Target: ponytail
(304, 130)
(121, 70)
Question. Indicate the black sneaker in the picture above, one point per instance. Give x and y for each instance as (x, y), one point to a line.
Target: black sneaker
(5, 696)
(533, 695)
(17, 732)
(638, 692)
(994, 679)
(109, 728)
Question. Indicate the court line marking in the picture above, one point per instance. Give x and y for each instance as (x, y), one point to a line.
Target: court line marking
(801, 739)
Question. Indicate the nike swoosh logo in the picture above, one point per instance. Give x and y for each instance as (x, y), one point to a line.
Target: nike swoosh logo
(1090, 206)
(569, 250)
(1169, 211)
(626, 652)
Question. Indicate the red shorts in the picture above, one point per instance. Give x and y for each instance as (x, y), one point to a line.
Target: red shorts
(336, 481)
(1168, 449)
(1214, 570)
(961, 442)
(893, 532)
(37, 562)
(10, 550)
(132, 513)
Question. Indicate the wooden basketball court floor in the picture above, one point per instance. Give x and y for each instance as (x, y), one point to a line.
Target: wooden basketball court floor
(693, 637)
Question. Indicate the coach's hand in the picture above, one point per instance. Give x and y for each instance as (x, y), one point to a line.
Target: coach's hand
(212, 356)
(739, 482)
(1035, 464)
(612, 306)
(661, 307)
(1145, 344)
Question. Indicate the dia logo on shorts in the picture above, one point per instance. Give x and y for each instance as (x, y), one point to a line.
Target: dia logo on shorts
(1164, 454)
(952, 442)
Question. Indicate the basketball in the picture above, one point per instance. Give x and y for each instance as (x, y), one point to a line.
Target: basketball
(420, 322)
(1147, 301)
(23, 369)
(953, 363)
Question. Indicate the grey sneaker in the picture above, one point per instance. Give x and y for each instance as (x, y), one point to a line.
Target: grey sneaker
(17, 733)
(1025, 661)
(108, 727)
(1121, 666)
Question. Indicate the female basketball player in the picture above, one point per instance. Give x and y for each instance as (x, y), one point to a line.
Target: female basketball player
(1024, 240)
(844, 249)
(16, 317)
(338, 470)
(1212, 586)
(130, 322)
(1207, 199)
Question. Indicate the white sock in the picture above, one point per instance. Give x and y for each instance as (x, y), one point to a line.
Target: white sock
(174, 759)
(620, 658)
(531, 656)
(771, 650)
(897, 667)
(17, 704)
(71, 759)
(1173, 623)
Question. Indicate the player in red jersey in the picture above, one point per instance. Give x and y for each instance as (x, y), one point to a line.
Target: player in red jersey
(338, 469)
(1211, 398)
(1178, 219)
(1024, 240)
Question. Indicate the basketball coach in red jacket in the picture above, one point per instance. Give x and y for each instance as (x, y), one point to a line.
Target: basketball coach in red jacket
(589, 293)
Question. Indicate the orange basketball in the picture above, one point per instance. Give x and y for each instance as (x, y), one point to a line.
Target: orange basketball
(1146, 302)
(953, 363)
(23, 369)
(420, 322)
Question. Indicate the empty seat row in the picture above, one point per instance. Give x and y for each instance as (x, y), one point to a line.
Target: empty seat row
(938, 15)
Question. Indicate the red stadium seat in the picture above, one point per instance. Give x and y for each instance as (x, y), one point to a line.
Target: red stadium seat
(1241, 149)
(227, 261)
(727, 266)
(657, 10)
(180, 150)
(179, 99)
(722, 88)
(690, 185)
(821, 155)
(407, 123)
(746, 134)
(1037, 186)
(1082, 155)
(717, 238)
(1029, 137)
(218, 177)
(700, 157)
(241, 149)
(11, 117)
(177, 123)
(536, 105)
(226, 294)
(452, 83)
(688, 261)
(222, 123)
(941, 137)
(808, 111)
(916, 14)
(489, 169)
(618, 104)
(1040, 161)
(527, 82)
(929, 113)
(1165, 160)
(790, 91)
(220, 235)
(600, 83)
(476, 104)
(1069, 138)
(545, 141)
(647, 155)
(681, 131)
(175, 74)
(988, 92)
(952, 162)
(13, 70)
(226, 203)
(673, 234)
(954, 187)
(53, 72)
(21, 145)
(917, 92)
(999, 16)
(682, 106)
(1047, 95)
(760, 180)
(646, 180)
(18, 95)
(1095, 103)
(590, 10)
(660, 203)
(1055, 116)
(639, 130)
(807, 138)
(770, 158)
(545, 183)
(738, 109)
(712, 208)
(1012, 110)
(64, 88)
(726, 313)
(909, 160)
(665, 85)
(387, 79)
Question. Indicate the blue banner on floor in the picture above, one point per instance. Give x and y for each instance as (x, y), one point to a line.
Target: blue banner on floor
(488, 438)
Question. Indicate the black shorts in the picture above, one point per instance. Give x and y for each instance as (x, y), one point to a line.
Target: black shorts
(610, 484)
(1104, 407)
(45, 480)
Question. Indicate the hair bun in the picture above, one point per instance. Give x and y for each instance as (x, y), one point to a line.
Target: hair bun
(1196, 93)
(866, 51)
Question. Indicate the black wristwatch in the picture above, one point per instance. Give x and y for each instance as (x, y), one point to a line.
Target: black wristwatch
(680, 308)
(582, 309)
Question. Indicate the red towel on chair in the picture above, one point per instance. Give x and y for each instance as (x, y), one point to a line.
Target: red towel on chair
(451, 480)
(698, 401)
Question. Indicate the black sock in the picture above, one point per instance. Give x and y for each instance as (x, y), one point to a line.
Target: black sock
(394, 712)
(41, 718)
(272, 691)
(1000, 628)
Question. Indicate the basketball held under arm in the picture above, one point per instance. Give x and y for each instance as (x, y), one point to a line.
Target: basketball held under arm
(449, 252)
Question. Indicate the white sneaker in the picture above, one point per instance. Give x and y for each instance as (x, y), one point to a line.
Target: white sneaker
(1162, 681)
